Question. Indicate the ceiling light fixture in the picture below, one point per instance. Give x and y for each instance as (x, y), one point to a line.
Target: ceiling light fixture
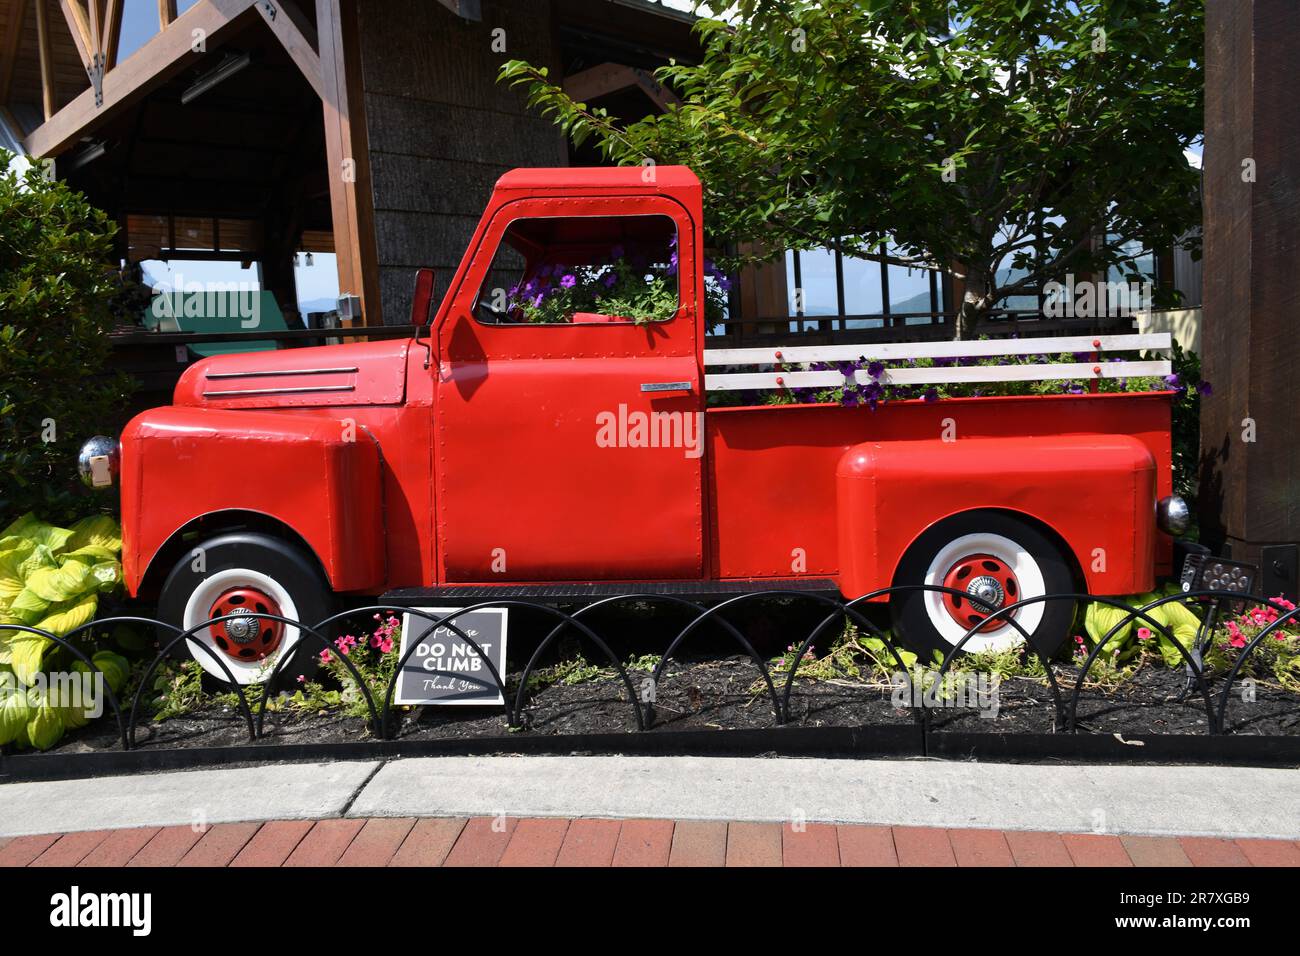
(222, 71)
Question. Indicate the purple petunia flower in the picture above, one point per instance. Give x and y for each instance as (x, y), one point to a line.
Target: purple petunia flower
(1204, 388)
(611, 280)
(931, 395)
(875, 369)
(568, 280)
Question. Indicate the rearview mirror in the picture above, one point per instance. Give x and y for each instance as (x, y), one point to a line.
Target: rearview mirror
(421, 303)
(423, 298)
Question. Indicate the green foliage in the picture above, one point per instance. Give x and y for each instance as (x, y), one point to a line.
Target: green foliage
(945, 128)
(57, 287)
(1186, 427)
(178, 686)
(578, 670)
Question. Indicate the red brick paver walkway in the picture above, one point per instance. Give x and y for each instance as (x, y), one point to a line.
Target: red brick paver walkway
(504, 841)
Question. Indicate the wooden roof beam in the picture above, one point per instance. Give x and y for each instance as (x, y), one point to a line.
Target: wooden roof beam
(610, 78)
(161, 58)
(46, 52)
(112, 33)
(297, 36)
(79, 26)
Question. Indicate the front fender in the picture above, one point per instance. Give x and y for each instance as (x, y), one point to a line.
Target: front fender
(320, 476)
(1097, 493)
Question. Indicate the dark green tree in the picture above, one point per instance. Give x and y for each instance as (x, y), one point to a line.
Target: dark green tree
(57, 284)
(1012, 142)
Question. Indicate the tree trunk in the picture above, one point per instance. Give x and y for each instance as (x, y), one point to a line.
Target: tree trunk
(975, 305)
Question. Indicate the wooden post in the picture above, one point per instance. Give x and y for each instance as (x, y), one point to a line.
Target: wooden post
(48, 100)
(348, 156)
(1250, 454)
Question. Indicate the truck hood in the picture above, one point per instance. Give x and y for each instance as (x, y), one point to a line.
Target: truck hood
(367, 373)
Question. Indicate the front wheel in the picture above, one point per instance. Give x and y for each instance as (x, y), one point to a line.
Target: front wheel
(245, 574)
(995, 560)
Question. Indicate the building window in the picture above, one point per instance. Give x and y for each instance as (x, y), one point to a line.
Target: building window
(832, 292)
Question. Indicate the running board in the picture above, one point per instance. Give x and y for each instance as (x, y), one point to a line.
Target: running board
(705, 592)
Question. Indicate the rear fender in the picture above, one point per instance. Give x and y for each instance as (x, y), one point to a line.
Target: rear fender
(1096, 493)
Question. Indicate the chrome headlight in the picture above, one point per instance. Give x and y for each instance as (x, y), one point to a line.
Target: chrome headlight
(98, 461)
(1173, 515)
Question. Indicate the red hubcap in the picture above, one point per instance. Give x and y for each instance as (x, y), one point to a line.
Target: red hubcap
(244, 637)
(989, 584)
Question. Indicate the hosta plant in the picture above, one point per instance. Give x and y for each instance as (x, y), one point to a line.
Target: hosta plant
(51, 580)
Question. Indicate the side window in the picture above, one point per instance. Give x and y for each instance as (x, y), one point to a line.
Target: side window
(582, 269)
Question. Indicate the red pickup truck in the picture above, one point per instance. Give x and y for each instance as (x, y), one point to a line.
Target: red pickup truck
(548, 429)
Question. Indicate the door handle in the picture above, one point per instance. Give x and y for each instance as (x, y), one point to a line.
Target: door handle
(665, 386)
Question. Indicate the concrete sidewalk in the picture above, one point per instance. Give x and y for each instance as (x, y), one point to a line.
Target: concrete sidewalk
(1217, 802)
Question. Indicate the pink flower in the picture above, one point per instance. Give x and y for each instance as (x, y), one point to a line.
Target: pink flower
(386, 645)
(1236, 638)
(302, 679)
(1144, 633)
(326, 656)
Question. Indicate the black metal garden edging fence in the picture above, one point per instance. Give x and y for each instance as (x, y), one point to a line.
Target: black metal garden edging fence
(1070, 738)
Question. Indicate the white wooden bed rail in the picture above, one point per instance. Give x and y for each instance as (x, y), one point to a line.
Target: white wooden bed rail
(1095, 345)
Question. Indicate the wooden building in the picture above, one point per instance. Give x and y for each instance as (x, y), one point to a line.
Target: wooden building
(252, 130)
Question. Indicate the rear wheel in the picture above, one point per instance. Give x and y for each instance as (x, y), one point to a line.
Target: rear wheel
(244, 575)
(995, 560)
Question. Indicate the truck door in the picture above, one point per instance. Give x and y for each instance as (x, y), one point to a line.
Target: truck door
(569, 404)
